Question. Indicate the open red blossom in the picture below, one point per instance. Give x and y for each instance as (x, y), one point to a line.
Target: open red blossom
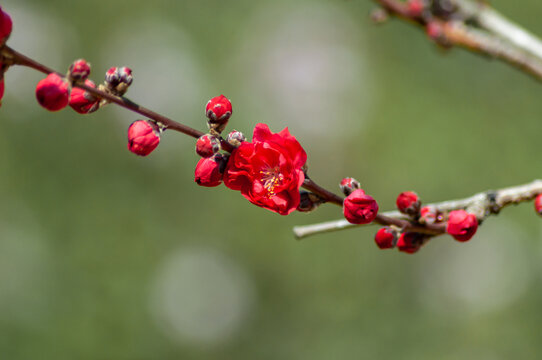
(268, 170)
(462, 225)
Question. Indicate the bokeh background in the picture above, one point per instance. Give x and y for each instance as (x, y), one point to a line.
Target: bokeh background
(105, 255)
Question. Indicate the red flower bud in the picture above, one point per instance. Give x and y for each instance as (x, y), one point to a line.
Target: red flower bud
(207, 145)
(386, 238)
(415, 7)
(537, 203)
(462, 225)
(125, 74)
(53, 92)
(218, 109)
(359, 208)
(408, 203)
(79, 70)
(82, 101)
(410, 242)
(143, 137)
(235, 138)
(209, 171)
(6, 25)
(348, 185)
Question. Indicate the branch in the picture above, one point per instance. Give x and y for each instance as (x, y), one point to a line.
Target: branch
(482, 205)
(477, 27)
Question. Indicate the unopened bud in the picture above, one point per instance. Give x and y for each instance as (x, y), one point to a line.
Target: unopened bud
(408, 203)
(348, 185)
(207, 145)
(82, 101)
(79, 70)
(53, 92)
(6, 25)
(117, 80)
(386, 238)
(308, 201)
(537, 201)
(143, 137)
(235, 138)
(218, 110)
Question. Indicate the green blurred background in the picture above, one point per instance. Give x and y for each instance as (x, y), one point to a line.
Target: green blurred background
(105, 255)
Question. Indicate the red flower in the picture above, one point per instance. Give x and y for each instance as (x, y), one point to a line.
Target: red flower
(267, 170)
(209, 171)
(408, 202)
(53, 92)
(82, 101)
(537, 201)
(462, 225)
(410, 242)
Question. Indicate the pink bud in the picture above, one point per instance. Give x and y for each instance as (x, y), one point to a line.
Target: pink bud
(537, 203)
(79, 70)
(207, 145)
(53, 92)
(462, 225)
(6, 25)
(235, 138)
(359, 208)
(348, 185)
(386, 238)
(209, 171)
(218, 109)
(112, 76)
(434, 30)
(143, 137)
(408, 203)
(82, 101)
(410, 242)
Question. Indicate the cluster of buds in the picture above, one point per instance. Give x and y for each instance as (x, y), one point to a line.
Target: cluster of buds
(358, 207)
(118, 80)
(460, 224)
(210, 169)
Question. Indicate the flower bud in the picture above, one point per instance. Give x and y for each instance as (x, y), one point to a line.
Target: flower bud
(143, 137)
(359, 208)
(53, 92)
(209, 171)
(462, 225)
(434, 30)
(308, 201)
(408, 203)
(118, 79)
(207, 145)
(410, 242)
(235, 138)
(82, 101)
(218, 109)
(430, 215)
(348, 185)
(386, 238)
(6, 25)
(79, 70)
(537, 201)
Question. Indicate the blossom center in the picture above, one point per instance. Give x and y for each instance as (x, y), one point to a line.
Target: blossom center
(270, 179)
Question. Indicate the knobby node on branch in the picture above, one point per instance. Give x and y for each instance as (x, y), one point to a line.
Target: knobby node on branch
(270, 170)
